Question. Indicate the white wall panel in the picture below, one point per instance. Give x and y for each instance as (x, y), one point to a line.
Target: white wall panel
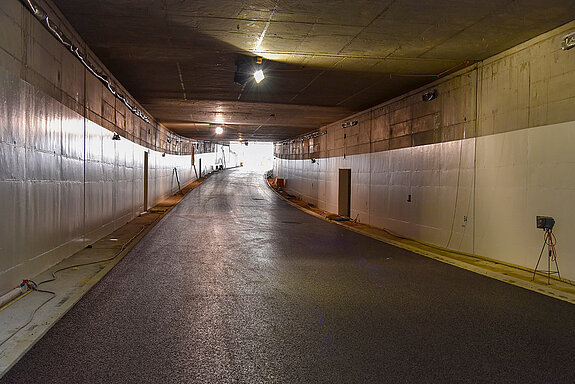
(437, 178)
(539, 180)
(501, 201)
(65, 183)
(507, 178)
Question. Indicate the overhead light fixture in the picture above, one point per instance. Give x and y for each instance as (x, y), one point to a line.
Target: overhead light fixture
(259, 74)
(219, 130)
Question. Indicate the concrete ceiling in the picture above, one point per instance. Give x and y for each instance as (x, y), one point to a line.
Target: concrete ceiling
(323, 60)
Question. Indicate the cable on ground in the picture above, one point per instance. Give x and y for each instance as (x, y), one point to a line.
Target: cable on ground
(33, 286)
(97, 261)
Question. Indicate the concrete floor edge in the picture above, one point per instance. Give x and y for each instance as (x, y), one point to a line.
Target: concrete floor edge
(529, 285)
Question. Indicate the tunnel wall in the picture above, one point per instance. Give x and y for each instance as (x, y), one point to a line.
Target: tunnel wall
(479, 162)
(64, 182)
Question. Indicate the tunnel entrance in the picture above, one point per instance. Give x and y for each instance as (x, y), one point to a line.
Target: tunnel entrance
(254, 155)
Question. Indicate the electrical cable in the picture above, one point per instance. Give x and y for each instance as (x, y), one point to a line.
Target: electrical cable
(466, 62)
(94, 262)
(550, 241)
(33, 286)
(456, 194)
(43, 17)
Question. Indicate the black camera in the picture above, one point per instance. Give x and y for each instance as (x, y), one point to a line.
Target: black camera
(545, 222)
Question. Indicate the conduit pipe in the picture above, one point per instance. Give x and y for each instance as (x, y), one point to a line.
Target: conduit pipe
(13, 294)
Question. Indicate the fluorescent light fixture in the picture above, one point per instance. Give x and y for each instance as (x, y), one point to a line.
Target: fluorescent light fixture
(219, 130)
(259, 75)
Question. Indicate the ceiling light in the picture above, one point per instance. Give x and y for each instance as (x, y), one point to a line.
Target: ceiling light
(259, 75)
(219, 130)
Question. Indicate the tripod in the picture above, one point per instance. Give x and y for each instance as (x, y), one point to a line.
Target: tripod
(549, 240)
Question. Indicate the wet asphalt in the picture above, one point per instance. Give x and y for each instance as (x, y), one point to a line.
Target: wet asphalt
(236, 286)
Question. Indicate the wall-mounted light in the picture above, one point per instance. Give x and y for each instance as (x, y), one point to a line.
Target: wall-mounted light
(219, 130)
(429, 95)
(116, 136)
(348, 124)
(164, 154)
(568, 41)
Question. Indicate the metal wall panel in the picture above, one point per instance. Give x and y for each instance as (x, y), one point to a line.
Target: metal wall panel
(64, 182)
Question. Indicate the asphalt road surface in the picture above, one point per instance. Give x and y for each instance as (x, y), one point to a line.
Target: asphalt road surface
(236, 286)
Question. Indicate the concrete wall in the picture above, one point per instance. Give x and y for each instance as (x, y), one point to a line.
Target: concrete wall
(63, 181)
(29, 51)
(480, 161)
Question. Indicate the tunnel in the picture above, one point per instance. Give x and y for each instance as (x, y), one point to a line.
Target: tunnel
(287, 192)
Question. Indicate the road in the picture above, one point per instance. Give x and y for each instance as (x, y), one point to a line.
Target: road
(236, 286)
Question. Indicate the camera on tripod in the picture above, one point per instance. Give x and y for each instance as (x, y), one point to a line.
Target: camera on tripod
(545, 222)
